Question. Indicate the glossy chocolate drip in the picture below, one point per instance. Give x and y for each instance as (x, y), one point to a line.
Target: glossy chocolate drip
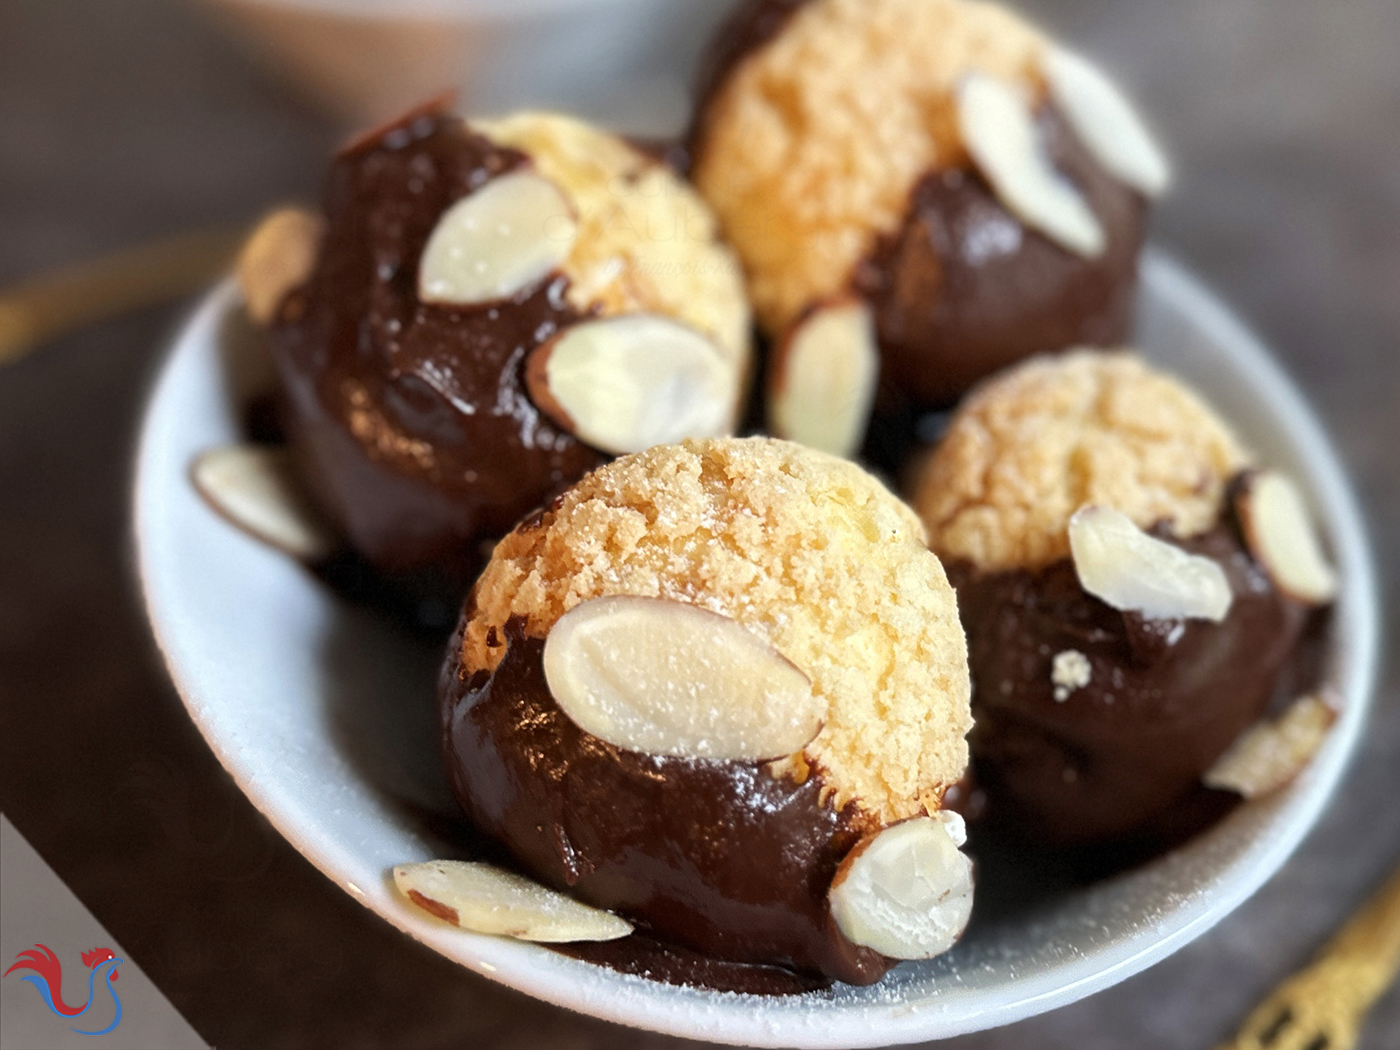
(410, 420)
(1164, 701)
(720, 857)
(963, 288)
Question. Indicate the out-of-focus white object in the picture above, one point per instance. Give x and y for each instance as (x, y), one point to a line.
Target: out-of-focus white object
(626, 64)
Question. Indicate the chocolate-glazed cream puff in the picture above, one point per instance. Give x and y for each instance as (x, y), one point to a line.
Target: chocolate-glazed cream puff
(439, 354)
(1122, 629)
(980, 190)
(741, 845)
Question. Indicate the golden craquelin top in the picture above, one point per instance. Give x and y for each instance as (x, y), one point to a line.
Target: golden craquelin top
(809, 552)
(1031, 446)
(814, 143)
(647, 243)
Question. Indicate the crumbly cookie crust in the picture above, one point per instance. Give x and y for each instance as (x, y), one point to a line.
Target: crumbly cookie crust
(1031, 446)
(806, 550)
(648, 243)
(814, 144)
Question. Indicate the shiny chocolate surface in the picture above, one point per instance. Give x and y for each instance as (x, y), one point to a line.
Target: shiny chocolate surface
(1165, 698)
(723, 859)
(963, 288)
(409, 419)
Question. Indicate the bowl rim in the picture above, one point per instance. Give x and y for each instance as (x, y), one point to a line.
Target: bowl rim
(670, 1010)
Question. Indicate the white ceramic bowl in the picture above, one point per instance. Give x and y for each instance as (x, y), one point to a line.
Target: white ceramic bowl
(626, 64)
(324, 716)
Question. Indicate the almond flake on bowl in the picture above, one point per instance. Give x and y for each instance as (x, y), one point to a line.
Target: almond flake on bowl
(485, 899)
(1271, 754)
(255, 488)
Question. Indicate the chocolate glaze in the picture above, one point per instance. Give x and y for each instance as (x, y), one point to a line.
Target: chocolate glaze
(963, 288)
(410, 420)
(721, 858)
(1124, 754)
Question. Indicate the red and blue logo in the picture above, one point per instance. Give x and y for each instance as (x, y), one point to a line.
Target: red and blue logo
(47, 976)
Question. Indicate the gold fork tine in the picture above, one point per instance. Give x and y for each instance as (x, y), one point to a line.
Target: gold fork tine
(1323, 1006)
(49, 305)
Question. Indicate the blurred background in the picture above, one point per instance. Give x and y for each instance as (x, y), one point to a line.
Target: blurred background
(127, 120)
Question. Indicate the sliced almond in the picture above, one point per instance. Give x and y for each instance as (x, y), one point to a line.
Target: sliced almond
(824, 379)
(1271, 754)
(500, 240)
(668, 678)
(277, 258)
(998, 129)
(485, 899)
(626, 383)
(255, 488)
(906, 892)
(1106, 122)
(1120, 564)
(1280, 532)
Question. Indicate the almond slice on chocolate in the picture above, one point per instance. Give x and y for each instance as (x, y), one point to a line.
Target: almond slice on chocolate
(668, 678)
(1123, 566)
(498, 241)
(998, 129)
(1270, 755)
(906, 891)
(623, 384)
(1281, 535)
(1106, 122)
(277, 258)
(255, 488)
(824, 376)
(485, 899)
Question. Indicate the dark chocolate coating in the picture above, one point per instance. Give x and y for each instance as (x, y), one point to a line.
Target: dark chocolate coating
(410, 420)
(720, 857)
(1165, 700)
(962, 288)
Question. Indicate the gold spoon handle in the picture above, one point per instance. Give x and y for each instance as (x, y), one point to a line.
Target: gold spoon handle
(1326, 1003)
(1368, 946)
(51, 304)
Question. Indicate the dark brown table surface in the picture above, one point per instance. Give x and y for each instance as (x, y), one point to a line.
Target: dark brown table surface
(125, 119)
